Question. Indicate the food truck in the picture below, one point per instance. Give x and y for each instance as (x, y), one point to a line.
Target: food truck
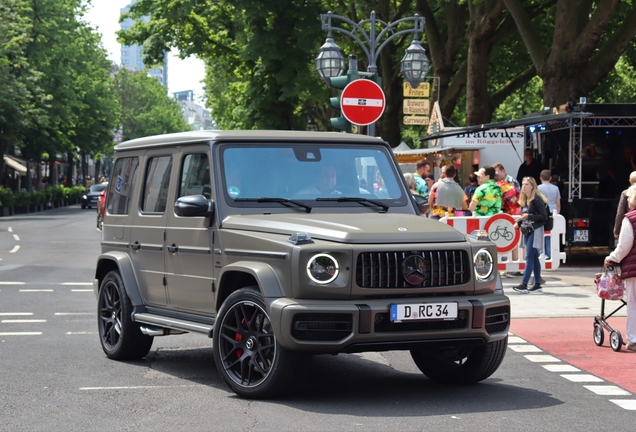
(590, 150)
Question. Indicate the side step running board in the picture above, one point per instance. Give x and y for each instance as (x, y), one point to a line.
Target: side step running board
(172, 323)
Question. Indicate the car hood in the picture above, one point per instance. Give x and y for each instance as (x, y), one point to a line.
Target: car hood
(350, 228)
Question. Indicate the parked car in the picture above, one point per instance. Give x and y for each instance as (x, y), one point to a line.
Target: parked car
(101, 207)
(266, 242)
(89, 199)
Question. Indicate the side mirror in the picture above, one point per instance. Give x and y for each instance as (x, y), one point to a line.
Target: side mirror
(194, 205)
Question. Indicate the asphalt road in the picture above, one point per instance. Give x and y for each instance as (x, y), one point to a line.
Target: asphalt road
(54, 375)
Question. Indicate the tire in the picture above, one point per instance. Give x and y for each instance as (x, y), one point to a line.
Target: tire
(616, 340)
(460, 365)
(120, 337)
(83, 206)
(246, 352)
(599, 335)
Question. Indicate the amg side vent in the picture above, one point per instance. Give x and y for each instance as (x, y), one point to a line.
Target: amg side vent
(386, 269)
(322, 327)
(497, 319)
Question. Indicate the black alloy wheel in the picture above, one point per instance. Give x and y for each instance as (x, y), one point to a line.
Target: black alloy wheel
(246, 351)
(120, 337)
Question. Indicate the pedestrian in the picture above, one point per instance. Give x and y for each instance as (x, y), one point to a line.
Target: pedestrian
(469, 190)
(449, 195)
(530, 167)
(625, 254)
(422, 169)
(486, 200)
(531, 222)
(553, 195)
(422, 204)
(622, 206)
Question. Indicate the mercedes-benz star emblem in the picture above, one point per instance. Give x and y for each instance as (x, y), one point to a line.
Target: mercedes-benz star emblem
(414, 269)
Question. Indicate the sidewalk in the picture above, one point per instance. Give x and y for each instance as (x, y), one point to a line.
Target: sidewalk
(568, 292)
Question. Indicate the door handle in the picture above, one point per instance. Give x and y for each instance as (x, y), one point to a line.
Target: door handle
(135, 246)
(174, 248)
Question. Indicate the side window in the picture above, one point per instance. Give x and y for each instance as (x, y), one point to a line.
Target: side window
(157, 181)
(122, 185)
(195, 176)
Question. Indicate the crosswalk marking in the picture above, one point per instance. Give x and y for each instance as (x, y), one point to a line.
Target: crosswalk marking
(607, 390)
(524, 348)
(561, 368)
(16, 313)
(36, 290)
(541, 358)
(628, 404)
(582, 378)
(20, 333)
(15, 321)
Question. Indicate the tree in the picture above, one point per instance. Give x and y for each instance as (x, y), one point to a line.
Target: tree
(145, 107)
(21, 98)
(587, 40)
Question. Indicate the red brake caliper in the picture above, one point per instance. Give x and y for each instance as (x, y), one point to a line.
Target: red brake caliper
(239, 337)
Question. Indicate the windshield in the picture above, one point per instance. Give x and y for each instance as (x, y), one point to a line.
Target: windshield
(97, 187)
(310, 173)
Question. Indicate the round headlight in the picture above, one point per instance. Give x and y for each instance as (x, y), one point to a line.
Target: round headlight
(323, 268)
(83, 196)
(484, 264)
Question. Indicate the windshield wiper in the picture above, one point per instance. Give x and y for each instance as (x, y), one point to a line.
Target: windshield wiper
(284, 201)
(364, 201)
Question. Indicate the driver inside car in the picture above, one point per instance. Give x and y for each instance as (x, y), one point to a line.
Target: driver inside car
(324, 183)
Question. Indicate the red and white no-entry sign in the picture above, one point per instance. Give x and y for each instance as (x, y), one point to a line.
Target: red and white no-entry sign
(362, 102)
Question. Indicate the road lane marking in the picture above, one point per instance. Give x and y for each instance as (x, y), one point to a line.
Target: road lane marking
(77, 283)
(22, 321)
(81, 290)
(73, 313)
(582, 378)
(36, 290)
(608, 390)
(561, 368)
(524, 348)
(543, 358)
(140, 387)
(81, 333)
(516, 340)
(15, 236)
(12, 283)
(15, 249)
(628, 404)
(21, 334)
(15, 313)
(10, 229)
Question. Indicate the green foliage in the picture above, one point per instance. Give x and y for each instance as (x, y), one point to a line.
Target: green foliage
(146, 109)
(57, 193)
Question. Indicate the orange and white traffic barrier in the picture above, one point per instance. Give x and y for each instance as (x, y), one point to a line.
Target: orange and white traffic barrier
(501, 231)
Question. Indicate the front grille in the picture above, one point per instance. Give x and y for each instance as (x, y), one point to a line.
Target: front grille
(383, 325)
(384, 269)
(322, 327)
(497, 319)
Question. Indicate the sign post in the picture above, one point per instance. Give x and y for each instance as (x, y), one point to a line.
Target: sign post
(362, 102)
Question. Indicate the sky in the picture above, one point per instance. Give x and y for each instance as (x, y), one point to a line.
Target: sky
(182, 74)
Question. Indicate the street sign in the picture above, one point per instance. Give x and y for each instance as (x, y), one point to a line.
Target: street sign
(423, 90)
(416, 106)
(415, 120)
(362, 102)
(501, 231)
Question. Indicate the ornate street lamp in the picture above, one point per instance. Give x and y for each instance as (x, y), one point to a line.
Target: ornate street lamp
(330, 63)
(415, 64)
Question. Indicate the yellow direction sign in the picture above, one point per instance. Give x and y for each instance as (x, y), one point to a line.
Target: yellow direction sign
(416, 106)
(423, 90)
(415, 120)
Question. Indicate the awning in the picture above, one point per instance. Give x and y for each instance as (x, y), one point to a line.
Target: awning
(413, 155)
(508, 124)
(14, 164)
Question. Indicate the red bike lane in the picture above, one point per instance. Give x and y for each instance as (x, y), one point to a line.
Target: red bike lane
(571, 340)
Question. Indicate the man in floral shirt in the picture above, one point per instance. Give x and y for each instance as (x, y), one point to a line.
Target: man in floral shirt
(509, 190)
(486, 200)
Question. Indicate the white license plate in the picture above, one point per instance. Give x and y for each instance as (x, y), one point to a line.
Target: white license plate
(423, 311)
(581, 236)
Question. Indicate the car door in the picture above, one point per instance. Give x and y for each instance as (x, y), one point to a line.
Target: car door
(189, 259)
(147, 240)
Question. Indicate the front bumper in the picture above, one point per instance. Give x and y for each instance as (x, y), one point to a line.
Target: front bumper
(363, 325)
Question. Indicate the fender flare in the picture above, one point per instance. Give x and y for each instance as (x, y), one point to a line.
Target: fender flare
(263, 273)
(124, 265)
